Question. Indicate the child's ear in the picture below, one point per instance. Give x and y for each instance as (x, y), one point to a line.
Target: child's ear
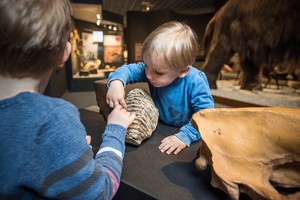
(184, 72)
(66, 54)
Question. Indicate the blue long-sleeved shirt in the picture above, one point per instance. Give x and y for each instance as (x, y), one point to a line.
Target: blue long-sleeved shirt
(176, 102)
(44, 154)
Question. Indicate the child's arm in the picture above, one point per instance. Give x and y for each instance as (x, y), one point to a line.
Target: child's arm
(117, 80)
(200, 99)
(67, 160)
(112, 149)
(127, 74)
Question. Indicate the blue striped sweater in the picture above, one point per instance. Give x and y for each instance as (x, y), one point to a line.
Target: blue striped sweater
(44, 153)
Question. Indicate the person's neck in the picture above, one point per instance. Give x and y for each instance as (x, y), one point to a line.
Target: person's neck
(10, 87)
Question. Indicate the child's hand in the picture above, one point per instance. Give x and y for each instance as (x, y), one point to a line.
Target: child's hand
(170, 144)
(116, 94)
(120, 116)
(88, 139)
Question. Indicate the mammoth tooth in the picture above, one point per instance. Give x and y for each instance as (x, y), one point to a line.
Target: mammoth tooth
(139, 102)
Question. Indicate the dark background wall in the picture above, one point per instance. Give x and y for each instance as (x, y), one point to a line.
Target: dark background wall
(141, 24)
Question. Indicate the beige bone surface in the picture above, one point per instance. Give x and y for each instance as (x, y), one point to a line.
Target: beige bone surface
(248, 148)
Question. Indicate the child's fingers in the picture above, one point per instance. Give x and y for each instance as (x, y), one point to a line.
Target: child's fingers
(123, 103)
(88, 139)
(177, 151)
(170, 150)
(164, 147)
(118, 107)
(132, 116)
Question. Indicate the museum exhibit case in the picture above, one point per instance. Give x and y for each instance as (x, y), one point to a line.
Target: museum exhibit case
(97, 46)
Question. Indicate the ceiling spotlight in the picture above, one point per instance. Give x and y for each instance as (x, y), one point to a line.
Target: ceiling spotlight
(147, 6)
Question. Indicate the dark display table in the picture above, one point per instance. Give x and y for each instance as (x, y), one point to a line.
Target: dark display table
(149, 174)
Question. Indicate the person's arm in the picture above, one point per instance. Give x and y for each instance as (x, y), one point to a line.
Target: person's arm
(117, 81)
(68, 169)
(201, 98)
(127, 74)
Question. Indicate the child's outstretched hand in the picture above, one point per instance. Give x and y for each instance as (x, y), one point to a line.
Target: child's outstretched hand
(170, 144)
(116, 94)
(120, 116)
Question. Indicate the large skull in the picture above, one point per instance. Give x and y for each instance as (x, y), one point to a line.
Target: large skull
(251, 150)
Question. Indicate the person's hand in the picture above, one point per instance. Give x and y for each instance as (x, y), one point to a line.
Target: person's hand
(120, 116)
(116, 94)
(170, 144)
(88, 139)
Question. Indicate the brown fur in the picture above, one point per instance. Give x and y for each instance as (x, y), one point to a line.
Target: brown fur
(263, 33)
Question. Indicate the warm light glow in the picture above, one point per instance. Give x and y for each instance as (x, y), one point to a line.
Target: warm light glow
(98, 22)
(98, 16)
(98, 19)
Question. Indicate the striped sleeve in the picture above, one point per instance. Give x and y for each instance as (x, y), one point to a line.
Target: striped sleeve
(113, 146)
(68, 169)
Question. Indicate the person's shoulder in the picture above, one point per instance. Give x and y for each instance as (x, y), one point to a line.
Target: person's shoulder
(196, 74)
(44, 102)
(195, 70)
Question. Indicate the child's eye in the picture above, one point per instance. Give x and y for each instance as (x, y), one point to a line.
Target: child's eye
(158, 73)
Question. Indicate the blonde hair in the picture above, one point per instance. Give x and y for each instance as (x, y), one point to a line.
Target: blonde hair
(172, 45)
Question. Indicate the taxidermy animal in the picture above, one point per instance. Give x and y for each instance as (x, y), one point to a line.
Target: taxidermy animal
(277, 75)
(263, 33)
(251, 150)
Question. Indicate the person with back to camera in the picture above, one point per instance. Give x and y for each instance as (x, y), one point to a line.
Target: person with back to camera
(44, 153)
(178, 89)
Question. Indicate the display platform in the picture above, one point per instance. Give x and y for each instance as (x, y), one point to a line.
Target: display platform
(149, 174)
(229, 93)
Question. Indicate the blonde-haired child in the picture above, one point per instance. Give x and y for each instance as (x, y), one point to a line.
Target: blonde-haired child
(177, 88)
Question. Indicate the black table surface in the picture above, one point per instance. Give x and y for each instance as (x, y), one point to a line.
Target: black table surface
(149, 174)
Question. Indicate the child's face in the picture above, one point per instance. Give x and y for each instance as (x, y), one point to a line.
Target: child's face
(159, 77)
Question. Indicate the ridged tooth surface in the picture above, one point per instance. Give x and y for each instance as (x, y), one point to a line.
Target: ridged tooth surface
(139, 102)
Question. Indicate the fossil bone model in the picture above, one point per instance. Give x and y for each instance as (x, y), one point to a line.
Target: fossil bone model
(139, 102)
(251, 150)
